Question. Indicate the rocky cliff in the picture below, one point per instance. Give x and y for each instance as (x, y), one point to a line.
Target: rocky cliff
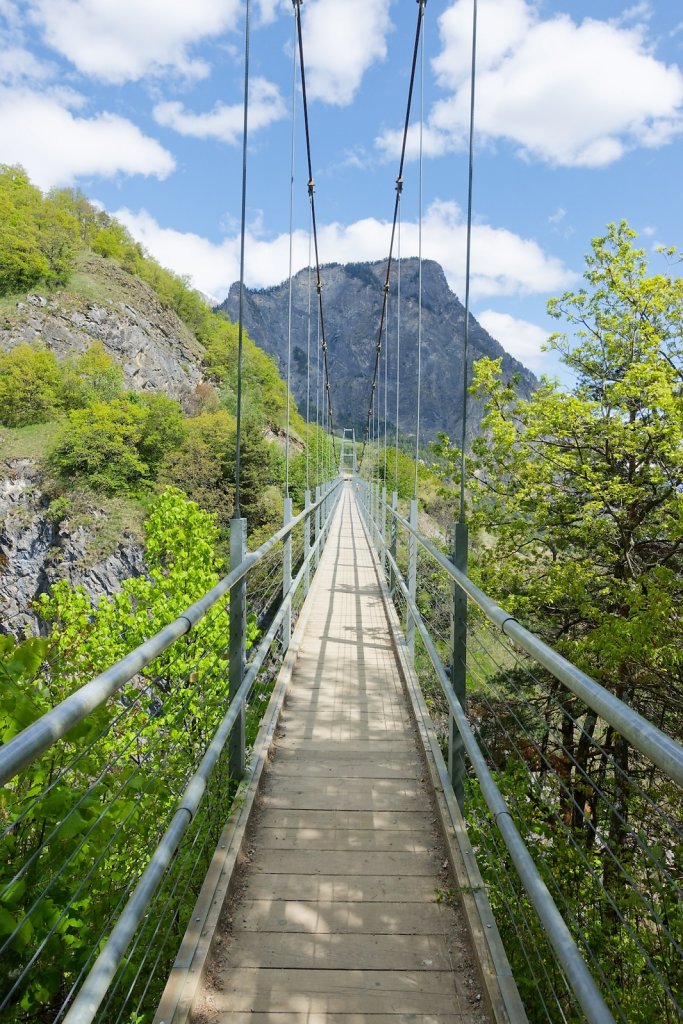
(153, 346)
(352, 298)
(36, 550)
(157, 352)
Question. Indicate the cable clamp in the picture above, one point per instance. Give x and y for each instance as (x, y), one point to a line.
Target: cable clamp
(399, 181)
(504, 623)
(311, 187)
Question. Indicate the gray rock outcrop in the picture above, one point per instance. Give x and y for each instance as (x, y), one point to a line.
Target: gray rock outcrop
(155, 349)
(35, 552)
(352, 295)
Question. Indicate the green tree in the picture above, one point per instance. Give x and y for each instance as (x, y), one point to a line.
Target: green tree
(91, 377)
(58, 239)
(23, 264)
(29, 386)
(163, 429)
(117, 447)
(582, 489)
(578, 495)
(129, 759)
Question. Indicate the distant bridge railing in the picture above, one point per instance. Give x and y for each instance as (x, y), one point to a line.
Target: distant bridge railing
(114, 800)
(572, 799)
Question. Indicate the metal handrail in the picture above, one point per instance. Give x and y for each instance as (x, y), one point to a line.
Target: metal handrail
(658, 746)
(95, 986)
(38, 737)
(568, 954)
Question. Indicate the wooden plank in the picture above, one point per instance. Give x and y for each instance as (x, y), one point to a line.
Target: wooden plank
(323, 1017)
(284, 817)
(382, 747)
(339, 918)
(362, 795)
(350, 888)
(343, 862)
(396, 841)
(397, 768)
(329, 952)
(388, 992)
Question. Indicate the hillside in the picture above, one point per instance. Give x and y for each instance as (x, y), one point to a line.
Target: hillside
(352, 304)
(116, 381)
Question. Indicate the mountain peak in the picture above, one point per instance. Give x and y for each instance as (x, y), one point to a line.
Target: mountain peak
(352, 303)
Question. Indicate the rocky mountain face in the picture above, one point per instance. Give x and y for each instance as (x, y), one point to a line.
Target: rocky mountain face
(36, 551)
(352, 298)
(157, 353)
(153, 346)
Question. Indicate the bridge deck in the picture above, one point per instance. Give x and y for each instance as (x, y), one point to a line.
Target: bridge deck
(336, 917)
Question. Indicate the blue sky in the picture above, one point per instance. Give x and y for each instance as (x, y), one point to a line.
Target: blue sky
(579, 122)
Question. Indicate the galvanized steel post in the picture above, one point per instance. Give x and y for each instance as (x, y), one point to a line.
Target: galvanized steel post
(317, 524)
(287, 575)
(393, 539)
(458, 673)
(383, 507)
(412, 581)
(307, 542)
(238, 643)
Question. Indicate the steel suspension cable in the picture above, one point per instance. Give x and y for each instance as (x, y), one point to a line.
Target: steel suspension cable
(418, 408)
(399, 188)
(386, 381)
(468, 255)
(398, 345)
(311, 194)
(243, 231)
(308, 365)
(291, 271)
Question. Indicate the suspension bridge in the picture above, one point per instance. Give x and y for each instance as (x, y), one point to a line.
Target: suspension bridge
(284, 804)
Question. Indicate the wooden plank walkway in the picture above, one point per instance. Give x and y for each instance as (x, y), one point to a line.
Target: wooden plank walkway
(336, 920)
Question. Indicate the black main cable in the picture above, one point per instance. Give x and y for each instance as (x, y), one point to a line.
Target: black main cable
(397, 204)
(311, 195)
(243, 231)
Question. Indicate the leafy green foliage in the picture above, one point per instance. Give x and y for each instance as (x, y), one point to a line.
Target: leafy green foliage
(90, 811)
(29, 386)
(39, 236)
(117, 447)
(577, 497)
(35, 387)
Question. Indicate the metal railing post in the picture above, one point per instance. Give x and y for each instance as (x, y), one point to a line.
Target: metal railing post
(393, 529)
(317, 525)
(307, 542)
(412, 581)
(238, 644)
(383, 522)
(287, 575)
(458, 673)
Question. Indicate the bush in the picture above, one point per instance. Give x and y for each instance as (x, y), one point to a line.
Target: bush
(39, 236)
(117, 447)
(29, 386)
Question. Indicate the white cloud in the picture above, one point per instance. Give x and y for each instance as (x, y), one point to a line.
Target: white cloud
(520, 338)
(9, 12)
(503, 263)
(17, 65)
(41, 132)
(268, 10)
(342, 40)
(123, 40)
(569, 94)
(225, 121)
